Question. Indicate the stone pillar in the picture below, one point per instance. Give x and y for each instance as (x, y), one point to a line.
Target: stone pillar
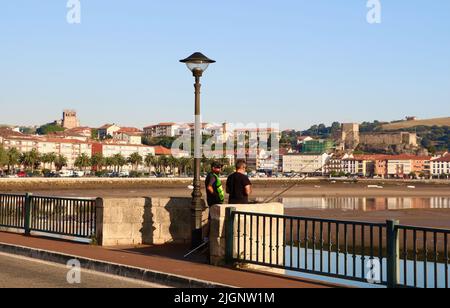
(257, 232)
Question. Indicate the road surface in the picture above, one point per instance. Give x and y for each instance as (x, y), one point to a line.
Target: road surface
(19, 272)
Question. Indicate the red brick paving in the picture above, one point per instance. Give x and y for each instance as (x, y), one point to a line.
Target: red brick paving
(143, 258)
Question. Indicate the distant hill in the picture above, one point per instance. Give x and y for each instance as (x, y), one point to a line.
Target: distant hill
(411, 124)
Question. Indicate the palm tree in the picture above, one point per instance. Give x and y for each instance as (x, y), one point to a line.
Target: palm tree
(3, 158)
(97, 161)
(151, 161)
(48, 158)
(30, 159)
(109, 162)
(119, 161)
(184, 164)
(60, 162)
(83, 161)
(135, 159)
(13, 156)
(172, 163)
(163, 163)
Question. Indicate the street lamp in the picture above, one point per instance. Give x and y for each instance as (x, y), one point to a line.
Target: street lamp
(197, 63)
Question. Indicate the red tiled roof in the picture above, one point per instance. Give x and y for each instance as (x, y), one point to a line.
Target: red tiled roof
(106, 126)
(7, 132)
(445, 158)
(160, 150)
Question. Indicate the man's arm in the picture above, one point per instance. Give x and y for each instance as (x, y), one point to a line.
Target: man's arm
(210, 188)
(248, 190)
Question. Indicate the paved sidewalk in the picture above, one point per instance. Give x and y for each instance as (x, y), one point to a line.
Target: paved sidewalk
(158, 263)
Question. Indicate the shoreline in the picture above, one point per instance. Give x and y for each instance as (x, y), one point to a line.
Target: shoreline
(263, 188)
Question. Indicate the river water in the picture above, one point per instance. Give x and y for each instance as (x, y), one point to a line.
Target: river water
(367, 204)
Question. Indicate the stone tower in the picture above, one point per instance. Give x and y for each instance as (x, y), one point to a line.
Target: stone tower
(70, 119)
(350, 136)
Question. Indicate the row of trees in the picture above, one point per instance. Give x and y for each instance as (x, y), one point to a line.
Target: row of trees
(32, 161)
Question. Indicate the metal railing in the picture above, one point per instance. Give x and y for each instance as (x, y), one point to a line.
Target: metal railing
(12, 211)
(74, 217)
(424, 257)
(349, 250)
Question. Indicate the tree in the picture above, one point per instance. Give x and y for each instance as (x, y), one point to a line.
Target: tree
(49, 128)
(83, 161)
(151, 161)
(30, 159)
(3, 159)
(119, 161)
(163, 164)
(135, 159)
(48, 158)
(97, 161)
(173, 163)
(109, 162)
(13, 156)
(60, 162)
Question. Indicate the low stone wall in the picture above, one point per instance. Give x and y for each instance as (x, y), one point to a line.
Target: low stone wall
(218, 233)
(135, 221)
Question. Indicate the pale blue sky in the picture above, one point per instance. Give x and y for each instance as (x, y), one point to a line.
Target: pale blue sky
(295, 62)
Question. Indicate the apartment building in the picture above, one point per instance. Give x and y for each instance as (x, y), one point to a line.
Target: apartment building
(129, 135)
(306, 164)
(440, 166)
(162, 130)
(402, 166)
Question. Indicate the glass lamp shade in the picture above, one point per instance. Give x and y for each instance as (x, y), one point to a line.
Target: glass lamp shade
(197, 66)
(197, 62)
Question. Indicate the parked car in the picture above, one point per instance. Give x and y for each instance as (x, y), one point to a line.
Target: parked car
(66, 173)
(22, 174)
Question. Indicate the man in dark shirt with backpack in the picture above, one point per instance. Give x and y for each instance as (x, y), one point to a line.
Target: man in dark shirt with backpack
(238, 184)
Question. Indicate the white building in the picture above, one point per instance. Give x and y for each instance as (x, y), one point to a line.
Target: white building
(440, 166)
(107, 130)
(162, 130)
(305, 164)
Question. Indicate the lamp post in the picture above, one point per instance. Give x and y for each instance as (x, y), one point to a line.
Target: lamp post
(197, 63)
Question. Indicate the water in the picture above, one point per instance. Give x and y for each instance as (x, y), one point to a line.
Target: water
(293, 254)
(367, 204)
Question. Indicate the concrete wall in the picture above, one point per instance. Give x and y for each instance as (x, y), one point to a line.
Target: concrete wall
(135, 221)
(218, 229)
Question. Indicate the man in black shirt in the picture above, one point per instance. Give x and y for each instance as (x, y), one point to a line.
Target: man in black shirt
(238, 184)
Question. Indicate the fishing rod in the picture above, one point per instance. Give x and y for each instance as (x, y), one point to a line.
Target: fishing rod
(272, 198)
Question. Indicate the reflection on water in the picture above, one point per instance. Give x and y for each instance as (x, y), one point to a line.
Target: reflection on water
(368, 204)
(354, 267)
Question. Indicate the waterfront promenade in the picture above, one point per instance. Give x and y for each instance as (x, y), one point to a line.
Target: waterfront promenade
(163, 265)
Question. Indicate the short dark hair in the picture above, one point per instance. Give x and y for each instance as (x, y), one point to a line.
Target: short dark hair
(241, 163)
(216, 165)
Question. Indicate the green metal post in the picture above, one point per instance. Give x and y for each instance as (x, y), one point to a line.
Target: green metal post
(229, 234)
(393, 254)
(27, 218)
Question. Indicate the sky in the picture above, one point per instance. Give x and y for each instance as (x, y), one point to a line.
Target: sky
(292, 62)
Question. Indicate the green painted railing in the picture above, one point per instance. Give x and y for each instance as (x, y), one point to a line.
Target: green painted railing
(74, 217)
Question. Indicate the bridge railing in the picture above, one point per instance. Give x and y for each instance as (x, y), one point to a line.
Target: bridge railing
(350, 250)
(72, 217)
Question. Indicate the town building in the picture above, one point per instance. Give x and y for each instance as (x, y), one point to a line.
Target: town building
(310, 164)
(403, 166)
(440, 166)
(129, 135)
(162, 130)
(107, 131)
